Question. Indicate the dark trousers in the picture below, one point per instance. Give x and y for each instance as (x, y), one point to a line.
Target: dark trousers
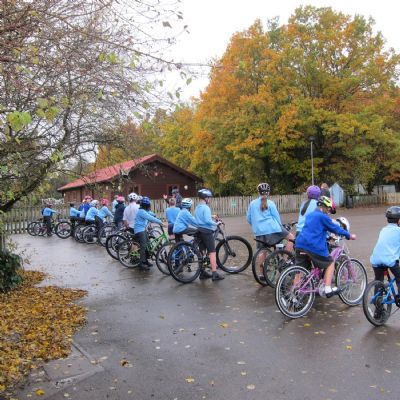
(142, 238)
(47, 221)
(380, 273)
(187, 231)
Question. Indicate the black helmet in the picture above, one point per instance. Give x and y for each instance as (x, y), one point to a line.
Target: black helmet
(393, 212)
(263, 188)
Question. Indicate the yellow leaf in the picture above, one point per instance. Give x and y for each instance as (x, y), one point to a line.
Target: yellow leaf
(306, 325)
(224, 325)
(349, 347)
(189, 379)
(243, 373)
(40, 392)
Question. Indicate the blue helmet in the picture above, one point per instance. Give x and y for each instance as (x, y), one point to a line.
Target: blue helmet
(204, 193)
(145, 201)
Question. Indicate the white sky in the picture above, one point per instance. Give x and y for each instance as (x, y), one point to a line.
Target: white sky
(213, 22)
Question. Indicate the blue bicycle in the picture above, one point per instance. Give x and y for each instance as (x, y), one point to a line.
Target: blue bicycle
(378, 300)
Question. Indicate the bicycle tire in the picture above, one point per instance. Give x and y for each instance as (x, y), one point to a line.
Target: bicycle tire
(112, 243)
(256, 267)
(40, 228)
(31, 228)
(162, 258)
(291, 302)
(63, 229)
(234, 254)
(351, 281)
(373, 303)
(129, 253)
(185, 262)
(275, 263)
(78, 232)
(105, 231)
(89, 234)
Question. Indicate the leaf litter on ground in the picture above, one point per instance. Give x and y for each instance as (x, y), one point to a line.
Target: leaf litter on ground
(36, 325)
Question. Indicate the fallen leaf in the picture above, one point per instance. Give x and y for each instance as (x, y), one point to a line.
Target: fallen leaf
(39, 392)
(251, 387)
(243, 373)
(125, 363)
(349, 347)
(306, 325)
(224, 325)
(189, 380)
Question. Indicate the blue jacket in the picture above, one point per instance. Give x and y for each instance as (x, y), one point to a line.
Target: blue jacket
(73, 212)
(183, 220)
(141, 220)
(171, 213)
(203, 217)
(302, 218)
(91, 214)
(119, 212)
(104, 212)
(48, 212)
(263, 222)
(387, 248)
(312, 237)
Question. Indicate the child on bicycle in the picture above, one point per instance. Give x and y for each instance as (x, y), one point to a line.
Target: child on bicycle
(104, 212)
(386, 252)
(311, 243)
(308, 206)
(47, 213)
(74, 215)
(91, 214)
(119, 212)
(206, 227)
(184, 220)
(143, 217)
(171, 213)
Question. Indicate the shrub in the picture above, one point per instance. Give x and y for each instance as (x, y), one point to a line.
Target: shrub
(10, 263)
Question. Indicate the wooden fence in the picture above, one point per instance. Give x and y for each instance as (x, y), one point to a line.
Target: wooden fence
(17, 220)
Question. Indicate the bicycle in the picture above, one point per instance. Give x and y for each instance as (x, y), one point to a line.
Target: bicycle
(128, 250)
(378, 300)
(186, 259)
(297, 286)
(261, 272)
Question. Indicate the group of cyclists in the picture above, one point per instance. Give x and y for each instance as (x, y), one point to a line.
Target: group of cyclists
(315, 223)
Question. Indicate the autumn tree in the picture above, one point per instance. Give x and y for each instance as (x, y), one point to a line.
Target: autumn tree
(323, 75)
(71, 71)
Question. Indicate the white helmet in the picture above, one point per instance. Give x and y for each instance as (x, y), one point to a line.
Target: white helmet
(344, 222)
(133, 197)
(186, 203)
(94, 203)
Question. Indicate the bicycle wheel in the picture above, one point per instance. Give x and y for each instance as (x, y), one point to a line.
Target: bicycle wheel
(63, 229)
(78, 233)
(31, 228)
(294, 293)
(162, 258)
(257, 265)
(128, 252)
(275, 263)
(351, 279)
(184, 262)
(375, 308)
(89, 234)
(105, 231)
(234, 254)
(40, 228)
(112, 244)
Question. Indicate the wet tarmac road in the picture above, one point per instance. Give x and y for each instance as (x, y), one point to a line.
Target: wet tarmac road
(222, 340)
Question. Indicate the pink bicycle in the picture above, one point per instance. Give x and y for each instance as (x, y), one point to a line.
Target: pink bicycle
(297, 286)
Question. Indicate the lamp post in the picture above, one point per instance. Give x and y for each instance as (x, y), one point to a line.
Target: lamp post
(312, 138)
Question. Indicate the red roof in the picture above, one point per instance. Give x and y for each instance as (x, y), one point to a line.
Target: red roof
(109, 173)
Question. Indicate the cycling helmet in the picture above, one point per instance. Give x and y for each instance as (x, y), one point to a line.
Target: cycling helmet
(133, 197)
(94, 203)
(393, 212)
(187, 203)
(204, 193)
(344, 222)
(263, 188)
(313, 192)
(145, 201)
(104, 202)
(325, 201)
(121, 199)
